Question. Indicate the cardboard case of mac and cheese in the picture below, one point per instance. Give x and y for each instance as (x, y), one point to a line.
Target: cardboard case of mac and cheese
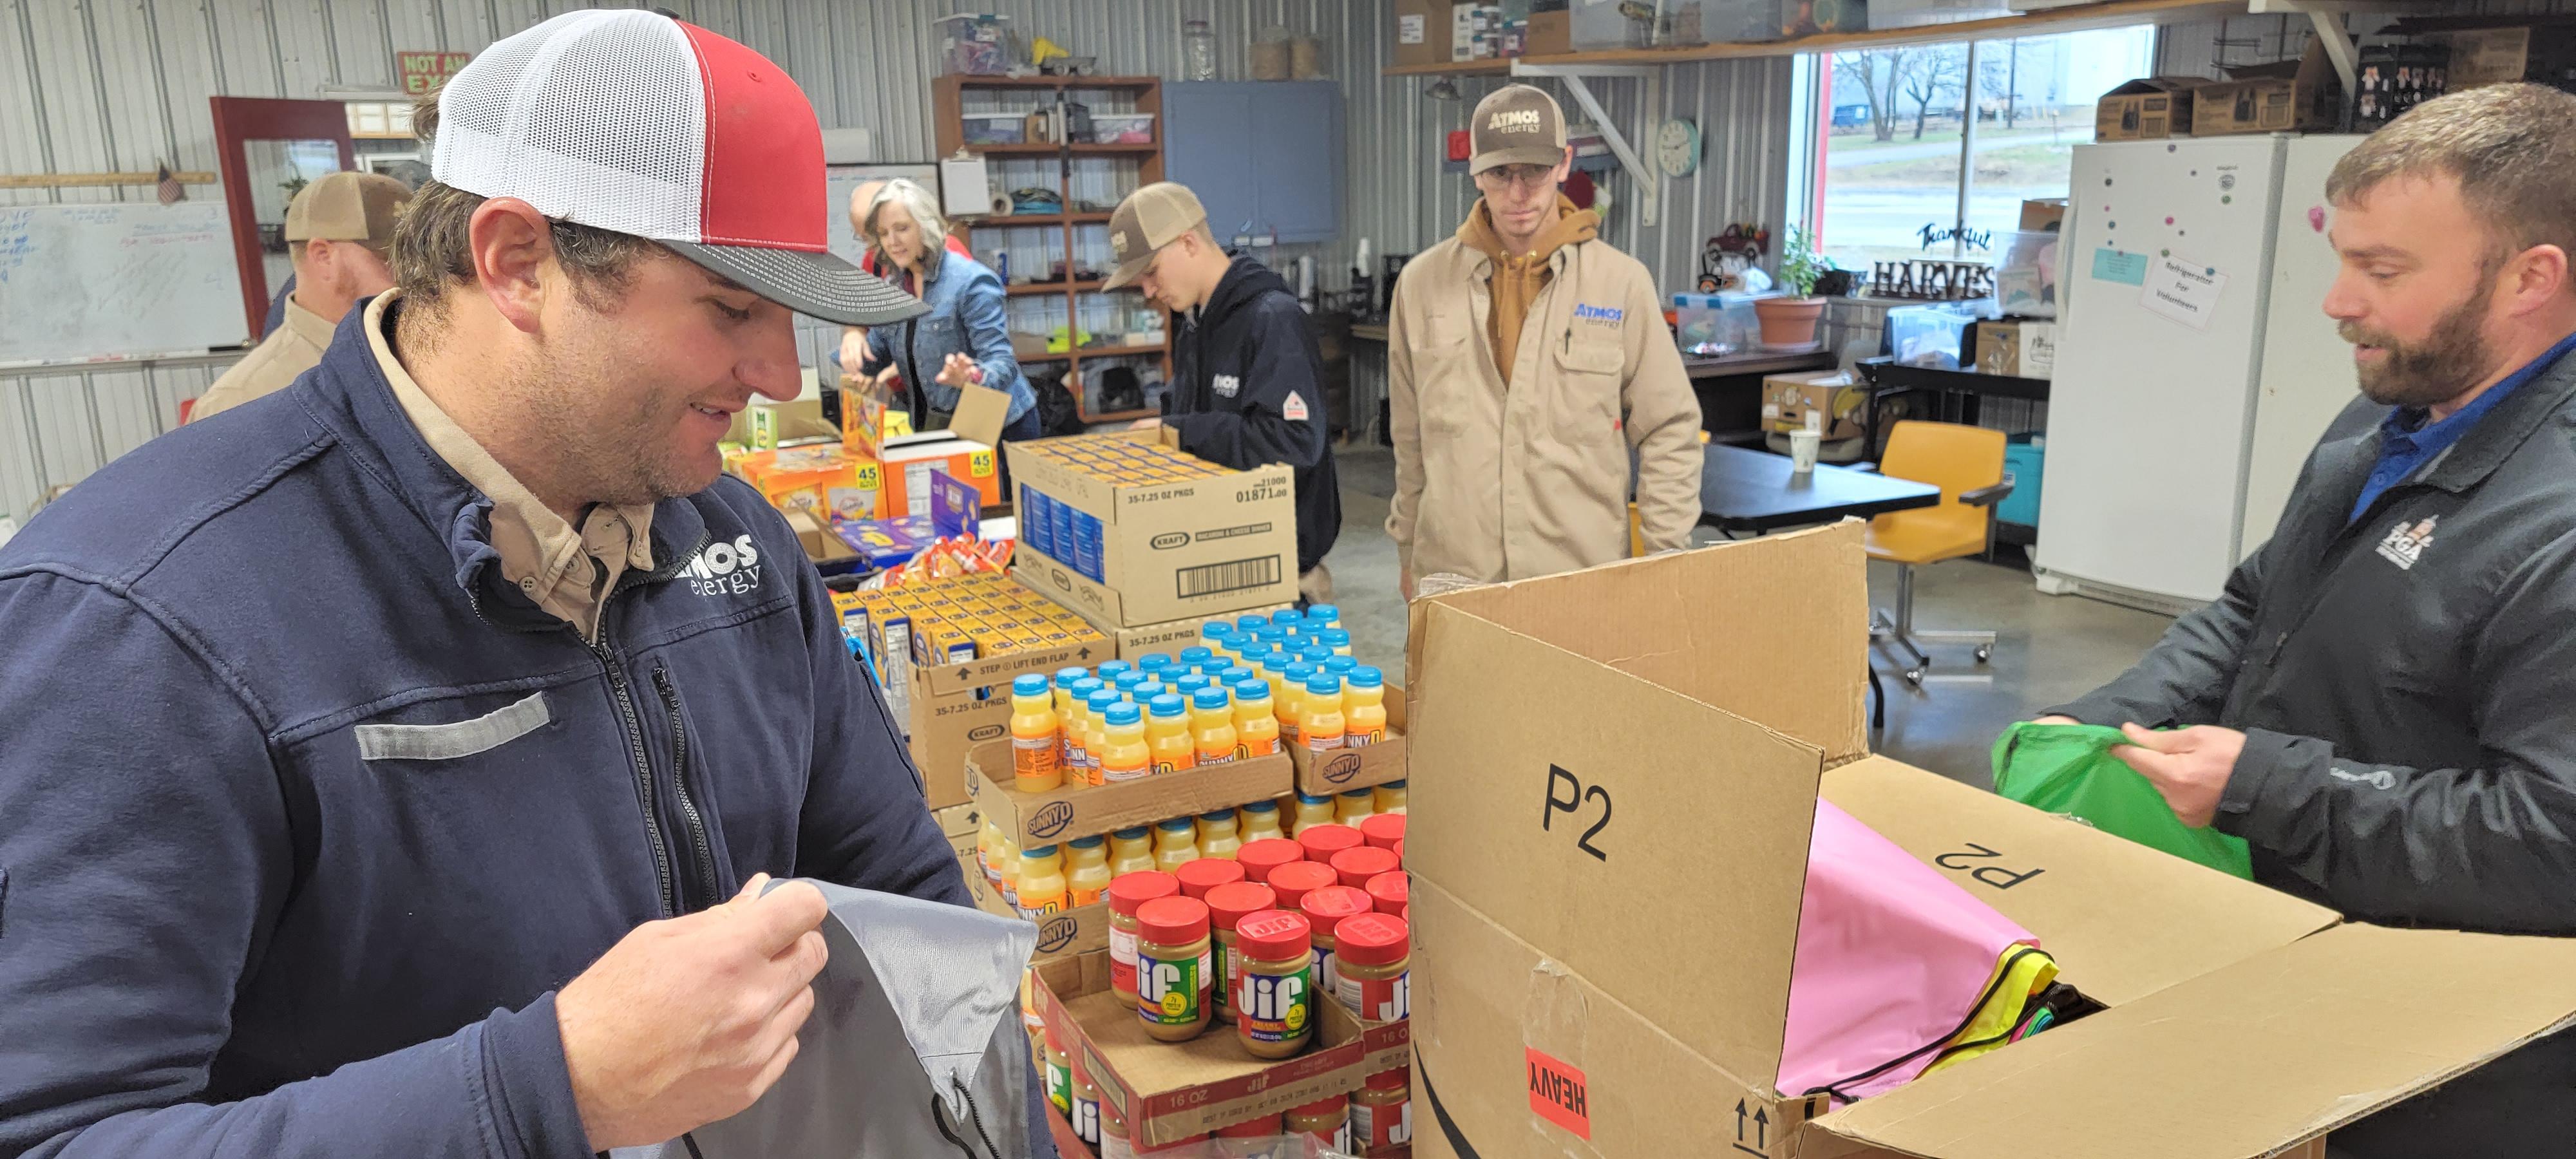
(1572, 997)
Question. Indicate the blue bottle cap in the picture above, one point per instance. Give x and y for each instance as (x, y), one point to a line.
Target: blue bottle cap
(1038, 851)
(1065, 677)
(1286, 616)
(1153, 661)
(1148, 690)
(1315, 654)
(1234, 674)
(1253, 690)
(1217, 815)
(1262, 807)
(1211, 699)
(1177, 825)
(1168, 705)
(1335, 638)
(1091, 842)
(1195, 656)
(1101, 699)
(1134, 832)
(1306, 798)
(1323, 614)
(1029, 685)
(1324, 684)
(1298, 674)
(1367, 677)
(1341, 665)
(1189, 685)
(1392, 785)
(1358, 794)
(1111, 670)
(1123, 713)
(1249, 623)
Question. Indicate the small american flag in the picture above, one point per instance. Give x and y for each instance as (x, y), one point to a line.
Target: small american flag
(170, 191)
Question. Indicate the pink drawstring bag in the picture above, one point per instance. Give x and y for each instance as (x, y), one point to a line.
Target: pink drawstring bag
(1892, 958)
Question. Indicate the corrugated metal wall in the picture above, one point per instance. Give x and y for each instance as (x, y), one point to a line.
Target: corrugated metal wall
(92, 85)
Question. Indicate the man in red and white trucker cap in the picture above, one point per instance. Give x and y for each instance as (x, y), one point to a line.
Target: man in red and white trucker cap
(395, 762)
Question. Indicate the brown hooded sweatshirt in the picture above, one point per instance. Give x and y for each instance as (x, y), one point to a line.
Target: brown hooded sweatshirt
(1518, 277)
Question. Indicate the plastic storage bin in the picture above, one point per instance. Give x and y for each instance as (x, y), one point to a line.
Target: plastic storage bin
(2024, 455)
(978, 45)
(996, 128)
(1122, 128)
(1713, 325)
(1931, 334)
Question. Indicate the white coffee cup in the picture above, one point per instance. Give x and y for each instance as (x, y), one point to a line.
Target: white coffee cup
(1802, 450)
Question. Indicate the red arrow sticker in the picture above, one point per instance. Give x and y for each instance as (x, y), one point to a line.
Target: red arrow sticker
(1558, 1093)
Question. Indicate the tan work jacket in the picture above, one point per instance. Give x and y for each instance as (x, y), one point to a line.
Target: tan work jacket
(1494, 483)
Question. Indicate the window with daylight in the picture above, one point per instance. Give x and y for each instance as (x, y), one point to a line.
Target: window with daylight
(1892, 125)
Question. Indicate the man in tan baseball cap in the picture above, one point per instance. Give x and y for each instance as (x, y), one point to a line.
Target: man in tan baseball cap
(338, 230)
(1247, 379)
(1537, 359)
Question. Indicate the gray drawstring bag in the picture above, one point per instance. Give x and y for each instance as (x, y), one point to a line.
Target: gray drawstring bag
(913, 982)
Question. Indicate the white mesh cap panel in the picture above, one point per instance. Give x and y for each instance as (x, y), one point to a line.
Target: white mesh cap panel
(597, 117)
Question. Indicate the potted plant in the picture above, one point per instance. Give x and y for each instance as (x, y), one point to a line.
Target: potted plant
(1790, 322)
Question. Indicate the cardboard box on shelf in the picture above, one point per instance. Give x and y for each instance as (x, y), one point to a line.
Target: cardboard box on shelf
(1549, 33)
(2237, 1021)
(1831, 403)
(1171, 1091)
(2147, 109)
(2290, 96)
(910, 460)
(2486, 56)
(2019, 349)
(1167, 548)
(1079, 930)
(1064, 814)
(1356, 768)
(1422, 31)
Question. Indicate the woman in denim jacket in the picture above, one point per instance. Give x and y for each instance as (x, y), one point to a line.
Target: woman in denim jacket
(962, 339)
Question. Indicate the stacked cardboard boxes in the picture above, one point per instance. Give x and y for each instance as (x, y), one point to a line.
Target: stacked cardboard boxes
(1133, 532)
(1572, 996)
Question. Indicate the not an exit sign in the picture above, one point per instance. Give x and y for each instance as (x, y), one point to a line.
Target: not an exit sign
(423, 72)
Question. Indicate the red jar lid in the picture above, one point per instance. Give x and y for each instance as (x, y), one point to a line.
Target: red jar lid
(1172, 920)
(1230, 903)
(1258, 858)
(1383, 830)
(1291, 881)
(1322, 1107)
(1206, 873)
(1354, 867)
(1370, 939)
(1135, 889)
(1390, 891)
(1391, 1080)
(1323, 841)
(1332, 903)
(1399, 853)
(1273, 935)
(1262, 1127)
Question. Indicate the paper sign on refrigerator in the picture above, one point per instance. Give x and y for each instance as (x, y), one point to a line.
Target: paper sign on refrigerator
(2186, 292)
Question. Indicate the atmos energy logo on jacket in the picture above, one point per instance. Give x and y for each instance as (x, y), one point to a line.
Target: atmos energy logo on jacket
(724, 569)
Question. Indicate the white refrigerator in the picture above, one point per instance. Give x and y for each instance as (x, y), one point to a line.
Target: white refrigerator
(2195, 365)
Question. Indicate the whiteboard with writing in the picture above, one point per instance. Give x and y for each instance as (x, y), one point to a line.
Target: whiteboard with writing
(81, 282)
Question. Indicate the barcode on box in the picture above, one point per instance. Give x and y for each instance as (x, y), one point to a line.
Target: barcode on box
(1239, 575)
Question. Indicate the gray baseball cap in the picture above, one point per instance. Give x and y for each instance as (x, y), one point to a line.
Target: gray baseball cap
(1151, 218)
(1516, 125)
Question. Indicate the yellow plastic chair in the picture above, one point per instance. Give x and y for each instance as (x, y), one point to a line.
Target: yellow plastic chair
(1967, 464)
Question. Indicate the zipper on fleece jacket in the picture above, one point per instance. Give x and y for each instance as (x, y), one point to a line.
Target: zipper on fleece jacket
(710, 885)
(634, 726)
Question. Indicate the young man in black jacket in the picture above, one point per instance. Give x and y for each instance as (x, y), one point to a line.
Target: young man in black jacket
(1245, 389)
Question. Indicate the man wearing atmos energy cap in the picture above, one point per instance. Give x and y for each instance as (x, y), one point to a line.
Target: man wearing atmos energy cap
(399, 773)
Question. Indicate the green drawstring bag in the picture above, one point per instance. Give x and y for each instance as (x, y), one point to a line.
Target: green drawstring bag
(2068, 769)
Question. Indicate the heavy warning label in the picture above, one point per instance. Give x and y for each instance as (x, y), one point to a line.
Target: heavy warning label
(1558, 1094)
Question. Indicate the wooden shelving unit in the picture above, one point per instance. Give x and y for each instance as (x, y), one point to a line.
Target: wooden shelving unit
(2111, 14)
(948, 102)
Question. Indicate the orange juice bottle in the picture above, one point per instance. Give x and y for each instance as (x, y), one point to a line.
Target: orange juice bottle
(1033, 736)
(1042, 885)
(1319, 722)
(1354, 806)
(1088, 875)
(1131, 851)
(1095, 733)
(1218, 835)
(1123, 753)
(1167, 735)
(1212, 726)
(1007, 857)
(1256, 725)
(1175, 841)
(1065, 679)
(1291, 705)
(1077, 725)
(1364, 707)
(988, 851)
(1311, 811)
(1260, 822)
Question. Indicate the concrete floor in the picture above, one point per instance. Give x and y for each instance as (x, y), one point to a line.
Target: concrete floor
(2048, 648)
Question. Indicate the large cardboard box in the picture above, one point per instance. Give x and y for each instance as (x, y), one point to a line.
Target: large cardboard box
(1064, 814)
(1834, 403)
(2292, 96)
(1568, 733)
(1422, 31)
(2019, 349)
(1549, 34)
(2147, 109)
(2545, 54)
(822, 480)
(910, 460)
(1130, 643)
(1171, 1091)
(1168, 550)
